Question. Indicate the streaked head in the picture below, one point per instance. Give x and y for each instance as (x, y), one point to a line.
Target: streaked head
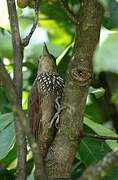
(47, 62)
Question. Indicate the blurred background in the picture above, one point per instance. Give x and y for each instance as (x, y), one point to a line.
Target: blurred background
(55, 28)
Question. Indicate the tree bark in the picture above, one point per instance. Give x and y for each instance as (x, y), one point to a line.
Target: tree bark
(63, 150)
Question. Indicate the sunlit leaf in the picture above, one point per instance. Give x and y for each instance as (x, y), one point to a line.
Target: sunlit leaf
(106, 56)
(57, 32)
(4, 20)
(25, 99)
(99, 92)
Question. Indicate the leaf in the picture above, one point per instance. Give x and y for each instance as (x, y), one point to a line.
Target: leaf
(110, 20)
(103, 131)
(11, 156)
(31, 176)
(99, 92)
(63, 61)
(55, 21)
(5, 120)
(7, 134)
(106, 55)
(6, 174)
(92, 150)
(25, 100)
(56, 31)
(6, 45)
(4, 20)
(53, 11)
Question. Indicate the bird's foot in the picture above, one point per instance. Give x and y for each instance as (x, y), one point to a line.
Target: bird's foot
(56, 117)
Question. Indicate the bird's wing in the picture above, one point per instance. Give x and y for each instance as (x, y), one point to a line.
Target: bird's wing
(34, 110)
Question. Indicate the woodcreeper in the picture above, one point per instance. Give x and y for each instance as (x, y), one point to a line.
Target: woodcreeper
(44, 100)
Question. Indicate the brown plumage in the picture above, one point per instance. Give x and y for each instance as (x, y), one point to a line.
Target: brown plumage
(47, 87)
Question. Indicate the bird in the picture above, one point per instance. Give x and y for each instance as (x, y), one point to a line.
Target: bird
(44, 101)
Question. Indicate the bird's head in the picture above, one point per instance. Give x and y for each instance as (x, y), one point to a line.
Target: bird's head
(47, 62)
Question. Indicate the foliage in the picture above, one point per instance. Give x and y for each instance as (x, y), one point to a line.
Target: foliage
(58, 32)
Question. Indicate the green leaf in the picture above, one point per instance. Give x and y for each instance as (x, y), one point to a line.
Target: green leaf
(7, 134)
(92, 150)
(63, 61)
(11, 156)
(5, 120)
(6, 174)
(4, 103)
(99, 92)
(103, 131)
(106, 56)
(31, 176)
(110, 20)
(53, 11)
(56, 22)
(56, 31)
(6, 45)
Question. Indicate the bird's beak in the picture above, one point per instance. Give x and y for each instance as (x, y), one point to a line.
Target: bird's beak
(45, 50)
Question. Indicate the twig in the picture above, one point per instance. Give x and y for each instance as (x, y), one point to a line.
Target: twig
(69, 13)
(12, 96)
(26, 40)
(95, 136)
(18, 57)
(102, 168)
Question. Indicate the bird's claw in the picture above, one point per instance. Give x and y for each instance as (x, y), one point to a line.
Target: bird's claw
(56, 117)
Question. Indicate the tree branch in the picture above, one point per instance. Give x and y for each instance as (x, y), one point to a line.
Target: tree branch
(7, 83)
(102, 168)
(18, 57)
(68, 12)
(26, 40)
(95, 136)
(79, 75)
(18, 48)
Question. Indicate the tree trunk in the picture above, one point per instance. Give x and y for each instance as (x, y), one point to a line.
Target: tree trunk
(63, 150)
